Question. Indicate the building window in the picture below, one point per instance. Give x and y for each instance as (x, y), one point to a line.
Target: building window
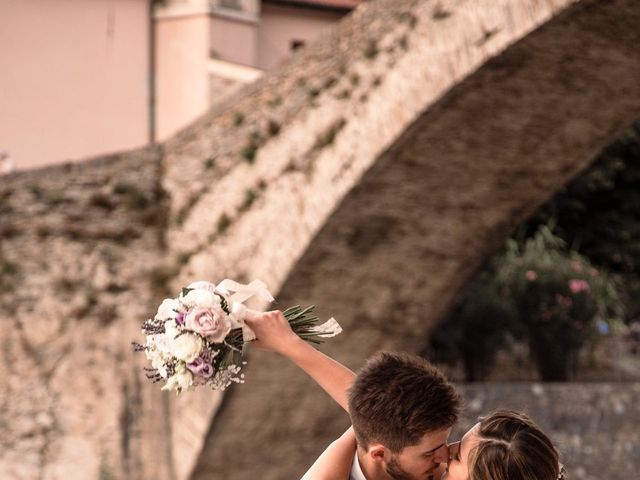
(296, 45)
(231, 4)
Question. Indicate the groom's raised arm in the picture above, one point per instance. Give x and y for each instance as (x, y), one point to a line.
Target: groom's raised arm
(274, 333)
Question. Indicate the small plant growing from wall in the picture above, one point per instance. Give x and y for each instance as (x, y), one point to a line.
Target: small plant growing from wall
(238, 119)
(344, 94)
(224, 222)
(183, 257)
(7, 267)
(254, 142)
(404, 42)
(314, 92)
(250, 196)
(273, 128)
(371, 50)
(330, 82)
(248, 152)
(329, 135)
(275, 101)
(209, 163)
(439, 13)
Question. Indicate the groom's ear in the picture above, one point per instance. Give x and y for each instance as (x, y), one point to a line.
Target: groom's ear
(378, 452)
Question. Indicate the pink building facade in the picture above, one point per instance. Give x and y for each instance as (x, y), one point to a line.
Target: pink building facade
(74, 78)
(83, 78)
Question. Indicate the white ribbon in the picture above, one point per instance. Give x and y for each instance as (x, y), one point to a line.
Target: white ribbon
(238, 313)
(238, 294)
(242, 292)
(328, 329)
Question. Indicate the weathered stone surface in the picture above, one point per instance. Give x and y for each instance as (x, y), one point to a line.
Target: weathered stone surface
(84, 252)
(596, 426)
(450, 190)
(78, 245)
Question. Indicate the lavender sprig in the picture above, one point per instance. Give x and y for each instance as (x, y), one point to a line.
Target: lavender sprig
(153, 326)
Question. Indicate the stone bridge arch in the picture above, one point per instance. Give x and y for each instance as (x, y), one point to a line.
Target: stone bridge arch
(448, 191)
(263, 187)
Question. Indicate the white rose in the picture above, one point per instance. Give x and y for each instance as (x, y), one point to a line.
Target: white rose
(156, 357)
(156, 344)
(200, 298)
(185, 378)
(171, 329)
(167, 309)
(182, 379)
(187, 347)
(164, 341)
(157, 362)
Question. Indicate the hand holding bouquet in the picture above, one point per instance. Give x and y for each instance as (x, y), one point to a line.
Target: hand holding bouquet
(198, 338)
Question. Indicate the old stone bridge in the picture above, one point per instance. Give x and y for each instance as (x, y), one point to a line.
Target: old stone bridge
(370, 175)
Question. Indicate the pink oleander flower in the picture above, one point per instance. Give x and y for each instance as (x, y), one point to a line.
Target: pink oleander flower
(594, 272)
(577, 286)
(212, 323)
(564, 301)
(531, 275)
(576, 266)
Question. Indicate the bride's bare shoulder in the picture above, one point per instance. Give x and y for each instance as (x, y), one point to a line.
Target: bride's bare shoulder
(335, 461)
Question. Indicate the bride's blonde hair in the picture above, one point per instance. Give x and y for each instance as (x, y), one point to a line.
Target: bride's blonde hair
(512, 447)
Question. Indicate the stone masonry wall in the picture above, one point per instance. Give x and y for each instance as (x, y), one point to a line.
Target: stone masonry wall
(339, 179)
(79, 250)
(595, 426)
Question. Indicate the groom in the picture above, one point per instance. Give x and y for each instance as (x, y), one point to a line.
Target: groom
(402, 408)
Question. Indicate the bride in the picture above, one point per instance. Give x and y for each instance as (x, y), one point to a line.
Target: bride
(504, 445)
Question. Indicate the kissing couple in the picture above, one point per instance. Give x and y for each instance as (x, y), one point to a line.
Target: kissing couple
(402, 410)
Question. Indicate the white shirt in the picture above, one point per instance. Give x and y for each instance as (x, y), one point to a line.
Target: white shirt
(356, 471)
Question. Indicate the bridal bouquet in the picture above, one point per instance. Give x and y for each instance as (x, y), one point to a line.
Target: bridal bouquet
(198, 337)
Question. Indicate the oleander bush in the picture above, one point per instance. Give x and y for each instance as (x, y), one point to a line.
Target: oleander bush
(541, 291)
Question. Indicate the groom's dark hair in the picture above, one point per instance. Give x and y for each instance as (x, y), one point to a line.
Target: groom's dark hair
(397, 398)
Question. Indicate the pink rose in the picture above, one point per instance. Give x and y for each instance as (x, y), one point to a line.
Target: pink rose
(212, 323)
(577, 286)
(531, 275)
